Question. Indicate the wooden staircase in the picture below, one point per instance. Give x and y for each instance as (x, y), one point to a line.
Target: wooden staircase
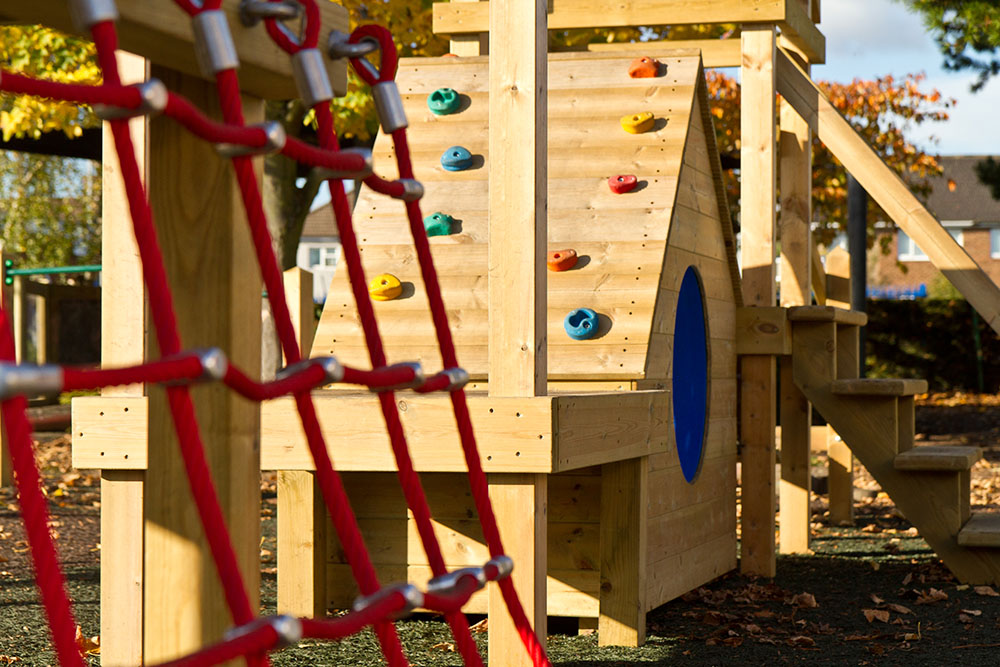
(875, 417)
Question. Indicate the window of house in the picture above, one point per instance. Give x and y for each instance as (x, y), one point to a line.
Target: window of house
(909, 251)
(323, 256)
(995, 243)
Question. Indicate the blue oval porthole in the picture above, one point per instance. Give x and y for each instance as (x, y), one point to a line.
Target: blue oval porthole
(690, 374)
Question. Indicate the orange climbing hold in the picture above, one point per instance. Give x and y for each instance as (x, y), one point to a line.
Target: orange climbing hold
(385, 287)
(644, 68)
(638, 123)
(561, 260)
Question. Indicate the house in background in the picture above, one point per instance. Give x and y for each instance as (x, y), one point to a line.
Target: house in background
(966, 208)
(319, 247)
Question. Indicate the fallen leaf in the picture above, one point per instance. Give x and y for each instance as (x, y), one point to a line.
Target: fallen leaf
(805, 601)
(965, 618)
(907, 579)
(876, 599)
(931, 596)
(876, 615)
(87, 645)
(733, 641)
(962, 587)
(481, 626)
(986, 590)
(445, 647)
(800, 641)
(872, 528)
(898, 608)
(973, 612)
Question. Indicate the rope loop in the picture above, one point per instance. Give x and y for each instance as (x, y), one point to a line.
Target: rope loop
(308, 37)
(390, 58)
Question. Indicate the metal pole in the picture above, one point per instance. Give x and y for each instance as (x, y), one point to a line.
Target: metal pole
(857, 246)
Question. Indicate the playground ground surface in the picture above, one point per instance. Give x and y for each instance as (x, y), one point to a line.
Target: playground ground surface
(869, 594)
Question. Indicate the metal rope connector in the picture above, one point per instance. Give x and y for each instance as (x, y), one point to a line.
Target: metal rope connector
(214, 364)
(418, 378)
(413, 190)
(213, 43)
(29, 380)
(274, 142)
(288, 628)
(88, 13)
(339, 46)
(253, 12)
(311, 77)
(389, 106)
(412, 596)
(446, 583)
(503, 564)
(153, 97)
(331, 367)
(458, 378)
(325, 173)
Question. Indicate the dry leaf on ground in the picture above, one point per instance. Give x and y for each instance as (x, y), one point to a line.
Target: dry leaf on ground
(876, 615)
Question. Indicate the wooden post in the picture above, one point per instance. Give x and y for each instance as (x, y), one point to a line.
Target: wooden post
(302, 519)
(123, 341)
(469, 45)
(624, 506)
(517, 297)
(758, 169)
(6, 299)
(20, 298)
(840, 459)
(796, 255)
(208, 254)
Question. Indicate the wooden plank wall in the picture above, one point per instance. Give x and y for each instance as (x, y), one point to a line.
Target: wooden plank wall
(621, 238)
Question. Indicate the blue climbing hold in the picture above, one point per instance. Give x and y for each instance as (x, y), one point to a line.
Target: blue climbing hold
(690, 374)
(456, 158)
(443, 101)
(438, 224)
(581, 324)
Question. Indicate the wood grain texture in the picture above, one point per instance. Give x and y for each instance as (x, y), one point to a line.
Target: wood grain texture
(624, 508)
(714, 52)
(206, 248)
(938, 457)
(162, 33)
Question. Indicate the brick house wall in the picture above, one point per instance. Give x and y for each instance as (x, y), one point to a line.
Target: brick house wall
(886, 271)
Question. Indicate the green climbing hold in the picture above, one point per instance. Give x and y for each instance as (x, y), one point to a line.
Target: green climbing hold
(443, 101)
(438, 224)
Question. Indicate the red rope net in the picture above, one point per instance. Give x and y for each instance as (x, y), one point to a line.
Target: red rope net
(253, 637)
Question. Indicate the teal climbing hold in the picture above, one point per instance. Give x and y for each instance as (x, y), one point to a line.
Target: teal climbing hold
(438, 224)
(581, 324)
(456, 158)
(443, 101)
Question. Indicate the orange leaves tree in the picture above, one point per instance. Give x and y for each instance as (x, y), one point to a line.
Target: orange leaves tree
(884, 111)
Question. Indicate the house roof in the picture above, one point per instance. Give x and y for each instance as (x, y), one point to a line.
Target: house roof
(320, 222)
(959, 195)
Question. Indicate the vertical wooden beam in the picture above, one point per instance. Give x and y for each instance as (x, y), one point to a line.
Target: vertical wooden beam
(123, 342)
(20, 297)
(758, 173)
(302, 520)
(6, 301)
(840, 459)
(207, 251)
(43, 309)
(624, 505)
(517, 299)
(470, 45)
(795, 149)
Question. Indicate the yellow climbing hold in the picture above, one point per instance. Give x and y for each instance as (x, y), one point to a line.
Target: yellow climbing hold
(385, 287)
(638, 123)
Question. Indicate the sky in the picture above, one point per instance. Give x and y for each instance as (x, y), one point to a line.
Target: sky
(868, 38)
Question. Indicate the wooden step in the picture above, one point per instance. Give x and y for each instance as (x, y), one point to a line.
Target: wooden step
(879, 387)
(981, 530)
(938, 457)
(827, 314)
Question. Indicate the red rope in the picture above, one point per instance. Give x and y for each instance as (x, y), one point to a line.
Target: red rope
(446, 345)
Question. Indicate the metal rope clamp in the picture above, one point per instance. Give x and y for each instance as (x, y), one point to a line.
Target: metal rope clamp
(339, 46)
(253, 12)
(326, 173)
(88, 13)
(29, 379)
(153, 98)
(413, 190)
(389, 106)
(213, 43)
(288, 628)
(214, 366)
(504, 565)
(457, 378)
(311, 77)
(446, 583)
(275, 139)
(418, 377)
(412, 596)
(331, 367)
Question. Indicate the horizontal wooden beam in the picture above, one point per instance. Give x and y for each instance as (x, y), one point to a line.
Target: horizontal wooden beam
(534, 434)
(789, 15)
(888, 189)
(161, 32)
(714, 52)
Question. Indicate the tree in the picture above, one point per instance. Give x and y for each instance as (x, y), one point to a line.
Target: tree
(49, 206)
(882, 111)
(967, 32)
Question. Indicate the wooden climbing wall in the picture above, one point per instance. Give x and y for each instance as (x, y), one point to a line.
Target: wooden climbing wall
(634, 248)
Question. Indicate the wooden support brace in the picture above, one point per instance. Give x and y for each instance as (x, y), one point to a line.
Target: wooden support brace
(624, 508)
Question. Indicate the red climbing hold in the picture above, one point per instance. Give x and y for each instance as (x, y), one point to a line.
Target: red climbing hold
(644, 68)
(622, 183)
(561, 260)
